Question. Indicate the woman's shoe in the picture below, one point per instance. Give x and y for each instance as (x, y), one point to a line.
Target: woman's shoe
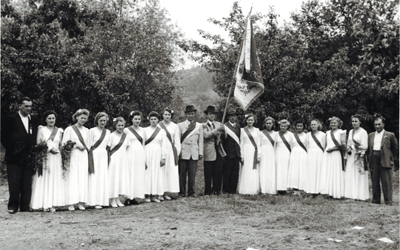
(71, 208)
(98, 207)
(155, 200)
(53, 210)
(81, 207)
(120, 204)
(166, 197)
(161, 198)
(147, 200)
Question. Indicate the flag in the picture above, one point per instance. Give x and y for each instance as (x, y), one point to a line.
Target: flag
(249, 82)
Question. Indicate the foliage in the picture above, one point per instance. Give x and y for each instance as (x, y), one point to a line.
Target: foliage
(335, 58)
(68, 55)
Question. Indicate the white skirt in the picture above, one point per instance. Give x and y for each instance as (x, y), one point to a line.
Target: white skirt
(118, 174)
(98, 181)
(76, 184)
(314, 164)
(356, 181)
(282, 160)
(332, 176)
(136, 166)
(267, 170)
(297, 169)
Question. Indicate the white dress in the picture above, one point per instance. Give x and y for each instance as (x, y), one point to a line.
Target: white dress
(298, 164)
(170, 171)
(98, 181)
(118, 174)
(136, 163)
(282, 160)
(332, 175)
(267, 164)
(155, 151)
(356, 179)
(76, 187)
(249, 181)
(314, 162)
(48, 189)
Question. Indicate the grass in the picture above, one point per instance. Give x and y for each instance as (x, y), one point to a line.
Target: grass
(210, 222)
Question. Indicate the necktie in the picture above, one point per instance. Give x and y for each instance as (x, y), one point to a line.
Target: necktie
(212, 125)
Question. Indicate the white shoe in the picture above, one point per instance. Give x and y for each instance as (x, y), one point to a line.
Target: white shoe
(81, 207)
(155, 200)
(161, 198)
(147, 200)
(53, 210)
(71, 208)
(167, 197)
(113, 203)
(120, 204)
(98, 207)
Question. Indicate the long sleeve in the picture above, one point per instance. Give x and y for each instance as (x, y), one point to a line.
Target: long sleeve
(258, 143)
(67, 135)
(241, 143)
(201, 139)
(349, 139)
(90, 140)
(39, 135)
(164, 141)
(343, 137)
(394, 146)
(177, 140)
(5, 133)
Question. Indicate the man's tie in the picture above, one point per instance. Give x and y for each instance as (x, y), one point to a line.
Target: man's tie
(212, 125)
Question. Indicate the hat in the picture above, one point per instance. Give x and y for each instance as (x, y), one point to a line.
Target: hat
(232, 111)
(210, 108)
(190, 108)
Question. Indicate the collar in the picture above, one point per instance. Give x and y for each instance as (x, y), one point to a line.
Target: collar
(381, 133)
(188, 122)
(208, 121)
(233, 124)
(23, 117)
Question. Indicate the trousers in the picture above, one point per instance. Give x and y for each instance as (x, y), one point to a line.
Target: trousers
(380, 175)
(188, 167)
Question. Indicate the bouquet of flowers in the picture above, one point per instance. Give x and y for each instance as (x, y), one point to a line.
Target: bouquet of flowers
(66, 155)
(40, 157)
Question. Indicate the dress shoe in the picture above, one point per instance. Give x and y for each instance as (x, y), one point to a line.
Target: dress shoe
(193, 195)
(166, 197)
(71, 208)
(11, 211)
(127, 202)
(98, 207)
(81, 207)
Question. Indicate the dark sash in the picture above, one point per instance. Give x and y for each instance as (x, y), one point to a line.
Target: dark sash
(255, 147)
(338, 145)
(317, 141)
(191, 127)
(162, 125)
(357, 144)
(78, 133)
(98, 142)
(53, 133)
(136, 134)
(155, 133)
(269, 137)
(285, 141)
(118, 146)
(299, 141)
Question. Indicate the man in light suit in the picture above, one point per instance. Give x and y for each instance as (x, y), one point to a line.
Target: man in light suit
(18, 136)
(191, 151)
(213, 166)
(383, 148)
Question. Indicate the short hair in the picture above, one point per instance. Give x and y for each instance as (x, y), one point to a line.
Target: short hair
(24, 98)
(269, 118)
(284, 122)
(169, 110)
(334, 118)
(133, 114)
(98, 116)
(246, 117)
(359, 117)
(118, 119)
(80, 112)
(378, 116)
(299, 121)
(46, 114)
(318, 121)
(153, 114)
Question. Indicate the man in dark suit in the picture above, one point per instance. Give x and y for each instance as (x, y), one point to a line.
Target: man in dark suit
(231, 145)
(383, 148)
(18, 136)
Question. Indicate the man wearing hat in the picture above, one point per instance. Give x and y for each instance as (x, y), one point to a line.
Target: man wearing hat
(192, 150)
(231, 145)
(213, 166)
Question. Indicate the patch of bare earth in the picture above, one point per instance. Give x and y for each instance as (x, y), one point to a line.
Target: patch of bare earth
(211, 222)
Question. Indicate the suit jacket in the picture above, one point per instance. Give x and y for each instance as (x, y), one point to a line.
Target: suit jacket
(192, 146)
(210, 139)
(389, 148)
(15, 139)
(232, 149)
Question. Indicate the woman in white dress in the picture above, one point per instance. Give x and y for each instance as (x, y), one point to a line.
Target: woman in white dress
(298, 159)
(315, 147)
(77, 176)
(48, 183)
(155, 149)
(170, 171)
(136, 158)
(98, 177)
(356, 175)
(118, 172)
(332, 170)
(249, 181)
(283, 147)
(267, 161)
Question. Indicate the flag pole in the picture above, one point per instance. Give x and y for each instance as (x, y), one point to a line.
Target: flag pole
(227, 102)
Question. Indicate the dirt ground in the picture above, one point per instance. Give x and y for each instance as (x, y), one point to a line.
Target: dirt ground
(211, 222)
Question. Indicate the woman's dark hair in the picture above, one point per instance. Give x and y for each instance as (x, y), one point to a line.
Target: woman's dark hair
(359, 117)
(271, 119)
(169, 110)
(155, 114)
(246, 117)
(46, 114)
(299, 121)
(133, 114)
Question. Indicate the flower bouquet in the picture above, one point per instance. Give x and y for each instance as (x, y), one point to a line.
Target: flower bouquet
(40, 157)
(66, 150)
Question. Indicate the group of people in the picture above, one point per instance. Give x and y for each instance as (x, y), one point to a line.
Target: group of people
(154, 163)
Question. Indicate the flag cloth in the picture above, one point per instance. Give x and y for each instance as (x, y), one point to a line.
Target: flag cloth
(249, 82)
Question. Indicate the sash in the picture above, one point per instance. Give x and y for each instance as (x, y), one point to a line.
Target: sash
(229, 130)
(78, 133)
(285, 141)
(337, 145)
(189, 130)
(91, 159)
(155, 133)
(255, 147)
(118, 146)
(299, 141)
(162, 125)
(269, 137)
(317, 141)
(140, 139)
(357, 144)
(53, 133)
